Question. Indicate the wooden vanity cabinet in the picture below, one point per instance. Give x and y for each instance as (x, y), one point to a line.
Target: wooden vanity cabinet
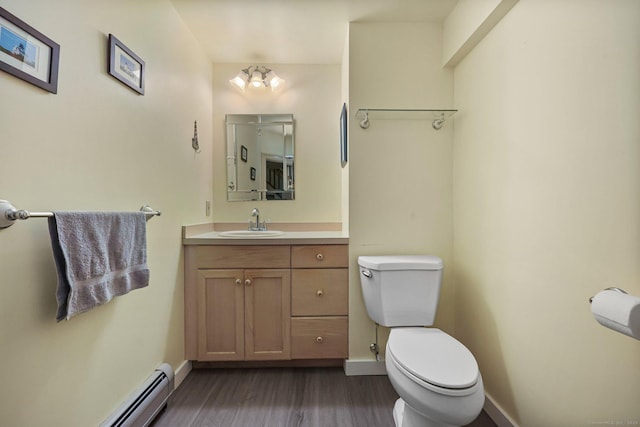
(244, 314)
(266, 302)
(237, 302)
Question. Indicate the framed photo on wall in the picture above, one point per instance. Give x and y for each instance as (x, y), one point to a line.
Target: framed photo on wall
(244, 153)
(252, 174)
(28, 54)
(343, 136)
(126, 66)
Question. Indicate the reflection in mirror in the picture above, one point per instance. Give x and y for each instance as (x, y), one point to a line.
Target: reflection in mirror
(260, 157)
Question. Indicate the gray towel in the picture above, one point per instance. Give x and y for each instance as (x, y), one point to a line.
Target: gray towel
(98, 255)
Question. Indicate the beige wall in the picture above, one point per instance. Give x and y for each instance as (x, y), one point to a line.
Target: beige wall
(547, 208)
(344, 88)
(462, 22)
(400, 181)
(97, 145)
(467, 24)
(533, 203)
(312, 95)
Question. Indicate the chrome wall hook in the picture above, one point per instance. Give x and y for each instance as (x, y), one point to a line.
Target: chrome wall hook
(438, 123)
(364, 123)
(194, 141)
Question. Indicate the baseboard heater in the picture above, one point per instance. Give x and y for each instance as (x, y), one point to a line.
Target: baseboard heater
(146, 402)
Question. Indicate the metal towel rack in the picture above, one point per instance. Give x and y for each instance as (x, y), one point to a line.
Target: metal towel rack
(9, 214)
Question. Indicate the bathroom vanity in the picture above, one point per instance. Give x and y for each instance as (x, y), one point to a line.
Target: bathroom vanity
(274, 298)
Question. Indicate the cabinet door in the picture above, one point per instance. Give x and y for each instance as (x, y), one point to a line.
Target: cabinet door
(267, 314)
(220, 315)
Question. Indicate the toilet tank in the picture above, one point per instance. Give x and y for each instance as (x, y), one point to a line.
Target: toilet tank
(401, 290)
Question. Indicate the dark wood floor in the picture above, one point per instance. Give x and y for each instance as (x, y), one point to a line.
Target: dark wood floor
(283, 397)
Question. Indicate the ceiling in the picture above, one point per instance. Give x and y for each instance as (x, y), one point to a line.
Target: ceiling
(293, 31)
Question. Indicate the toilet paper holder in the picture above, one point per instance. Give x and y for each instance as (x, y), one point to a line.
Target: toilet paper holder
(612, 288)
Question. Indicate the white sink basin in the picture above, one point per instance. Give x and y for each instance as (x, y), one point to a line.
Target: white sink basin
(250, 234)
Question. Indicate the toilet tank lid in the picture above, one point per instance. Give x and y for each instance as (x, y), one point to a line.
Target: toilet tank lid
(401, 262)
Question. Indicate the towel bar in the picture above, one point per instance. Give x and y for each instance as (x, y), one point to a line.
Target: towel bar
(9, 214)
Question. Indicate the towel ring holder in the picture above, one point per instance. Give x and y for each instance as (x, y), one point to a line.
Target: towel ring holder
(9, 214)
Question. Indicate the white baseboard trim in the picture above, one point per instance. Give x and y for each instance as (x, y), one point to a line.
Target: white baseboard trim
(496, 413)
(364, 367)
(181, 373)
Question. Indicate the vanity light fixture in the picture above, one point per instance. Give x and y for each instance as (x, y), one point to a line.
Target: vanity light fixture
(257, 76)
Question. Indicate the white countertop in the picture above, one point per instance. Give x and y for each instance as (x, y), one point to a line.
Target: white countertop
(286, 238)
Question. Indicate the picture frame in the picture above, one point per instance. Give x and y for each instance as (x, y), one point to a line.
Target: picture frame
(125, 66)
(28, 54)
(343, 136)
(252, 174)
(244, 153)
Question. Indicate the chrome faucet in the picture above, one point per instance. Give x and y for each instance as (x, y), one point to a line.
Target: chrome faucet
(258, 226)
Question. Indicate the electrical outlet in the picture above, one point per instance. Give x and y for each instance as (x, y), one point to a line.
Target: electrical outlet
(207, 208)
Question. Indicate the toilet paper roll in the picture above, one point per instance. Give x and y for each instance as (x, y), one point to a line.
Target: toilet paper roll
(617, 311)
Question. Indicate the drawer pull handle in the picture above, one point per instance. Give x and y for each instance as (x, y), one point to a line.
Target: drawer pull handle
(247, 282)
(319, 340)
(319, 292)
(319, 257)
(238, 282)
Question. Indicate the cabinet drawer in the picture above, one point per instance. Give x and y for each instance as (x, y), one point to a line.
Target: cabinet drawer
(319, 338)
(319, 292)
(319, 256)
(275, 256)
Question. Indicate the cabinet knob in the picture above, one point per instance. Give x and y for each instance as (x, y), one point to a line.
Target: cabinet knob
(319, 292)
(319, 340)
(247, 282)
(319, 257)
(238, 282)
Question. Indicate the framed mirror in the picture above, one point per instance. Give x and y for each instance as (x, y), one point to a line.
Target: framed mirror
(260, 157)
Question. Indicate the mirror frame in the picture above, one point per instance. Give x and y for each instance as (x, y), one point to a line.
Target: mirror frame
(240, 157)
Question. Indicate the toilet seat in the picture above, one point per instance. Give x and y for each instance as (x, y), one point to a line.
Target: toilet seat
(433, 358)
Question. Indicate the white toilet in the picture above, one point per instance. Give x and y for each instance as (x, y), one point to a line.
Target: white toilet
(436, 377)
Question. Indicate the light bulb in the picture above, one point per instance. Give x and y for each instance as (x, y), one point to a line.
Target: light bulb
(274, 81)
(239, 82)
(256, 79)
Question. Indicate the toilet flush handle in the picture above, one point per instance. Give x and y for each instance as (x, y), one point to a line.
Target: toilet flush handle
(367, 274)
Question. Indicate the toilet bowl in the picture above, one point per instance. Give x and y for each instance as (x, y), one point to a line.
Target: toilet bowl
(436, 376)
